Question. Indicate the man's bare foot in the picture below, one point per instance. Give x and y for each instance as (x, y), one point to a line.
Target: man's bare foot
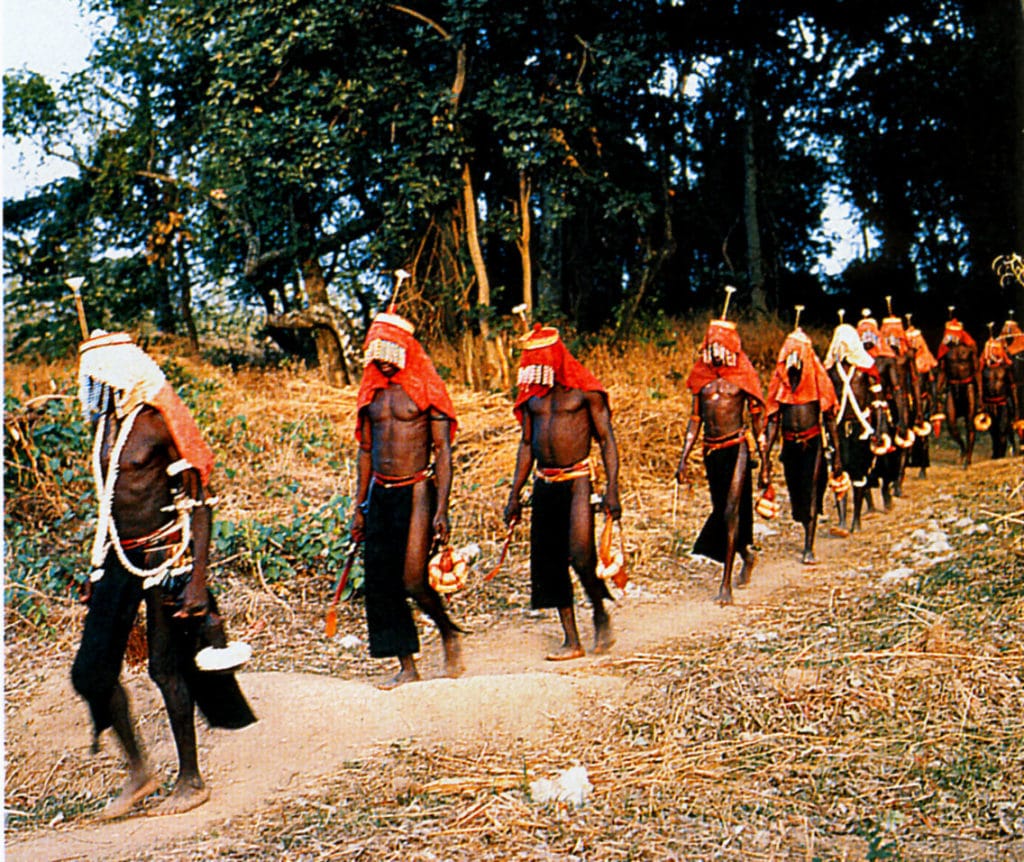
(839, 532)
(453, 664)
(400, 678)
(135, 790)
(808, 558)
(604, 637)
(566, 652)
(723, 598)
(185, 796)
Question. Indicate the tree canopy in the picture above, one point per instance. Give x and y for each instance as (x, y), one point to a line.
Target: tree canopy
(603, 161)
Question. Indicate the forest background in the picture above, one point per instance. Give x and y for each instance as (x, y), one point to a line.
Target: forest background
(608, 164)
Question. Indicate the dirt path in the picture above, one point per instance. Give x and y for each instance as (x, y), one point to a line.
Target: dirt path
(311, 725)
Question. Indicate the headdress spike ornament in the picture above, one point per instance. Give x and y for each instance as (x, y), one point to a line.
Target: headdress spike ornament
(908, 315)
(951, 308)
(865, 312)
(729, 291)
(842, 312)
(888, 303)
(798, 309)
(75, 283)
(400, 276)
(991, 326)
(520, 310)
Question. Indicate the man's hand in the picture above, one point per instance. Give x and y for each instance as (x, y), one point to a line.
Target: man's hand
(358, 529)
(513, 510)
(441, 527)
(683, 473)
(194, 601)
(612, 506)
(764, 478)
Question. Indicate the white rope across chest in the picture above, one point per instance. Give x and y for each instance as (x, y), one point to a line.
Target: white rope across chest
(106, 530)
(848, 397)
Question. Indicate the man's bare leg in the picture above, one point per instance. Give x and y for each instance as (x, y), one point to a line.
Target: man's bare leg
(407, 672)
(140, 782)
(749, 557)
(453, 664)
(807, 557)
(571, 647)
(604, 637)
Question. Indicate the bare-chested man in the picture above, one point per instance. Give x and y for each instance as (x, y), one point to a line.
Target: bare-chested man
(887, 466)
(405, 426)
(998, 394)
(725, 387)
(152, 472)
(959, 375)
(561, 408)
(1013, 338)
(853, 373)
(906, 399)
(926, 366)
(801, 402)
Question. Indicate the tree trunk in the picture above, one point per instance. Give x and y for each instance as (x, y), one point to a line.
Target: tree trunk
(755, 263)
(325, 320)
(497, 374)
(328, 345)
(523, 241)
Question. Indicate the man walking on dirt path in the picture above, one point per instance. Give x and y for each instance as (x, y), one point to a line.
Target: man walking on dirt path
(801, 403)
(926, 366)
(999, 395)
(562, 408)
(405, 426)
(724, 383)
(959, 375)
(152, 470)
(853, 373)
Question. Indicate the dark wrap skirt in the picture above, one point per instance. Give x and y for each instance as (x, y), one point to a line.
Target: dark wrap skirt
(855, 453)
(108, 623)
(389, 620)
(803, 464)
(721, 465)
(550, 582)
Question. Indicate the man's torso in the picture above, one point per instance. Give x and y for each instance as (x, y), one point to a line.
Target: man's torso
(401, 439)
(561, 428)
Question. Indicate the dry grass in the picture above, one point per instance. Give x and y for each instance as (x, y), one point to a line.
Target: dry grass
(843, 721)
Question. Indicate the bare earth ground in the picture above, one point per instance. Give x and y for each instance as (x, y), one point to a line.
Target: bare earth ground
(312, 724)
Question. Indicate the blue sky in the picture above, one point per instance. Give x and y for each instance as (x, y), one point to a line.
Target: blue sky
(50, 37)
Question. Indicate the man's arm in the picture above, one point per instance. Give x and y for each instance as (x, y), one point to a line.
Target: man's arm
(440, 431)
(601, 422)
(692, 432)
(771, 433)
(364, 468)
(194, 601)
(524, 463)
(833, 435)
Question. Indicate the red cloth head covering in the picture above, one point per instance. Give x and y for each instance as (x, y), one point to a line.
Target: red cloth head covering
(814, 384)
(112, 359)
(954, 333)
(545, 361)
(391, 338)
(1013, 336)
(738, 371)
(871, 336)
(892, 328)
(994, 353)
(924, 361)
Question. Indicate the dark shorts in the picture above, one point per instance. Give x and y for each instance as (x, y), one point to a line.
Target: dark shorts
(806, 477)
(550, 530)
(389, 620)
(721, 466)
(108, 622)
